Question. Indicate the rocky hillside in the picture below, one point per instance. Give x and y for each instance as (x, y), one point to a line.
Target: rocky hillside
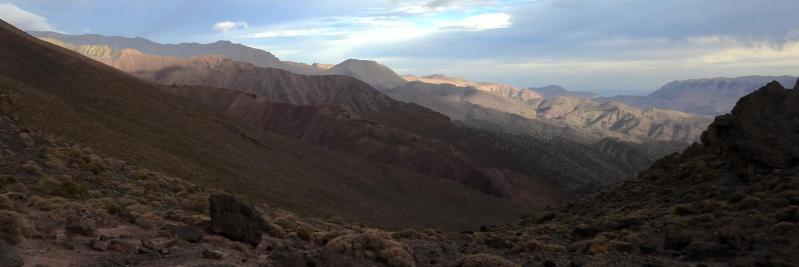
(714, 96)
(371, 72)
(347, 115)
(554, 91)
(585, 120)
(133, 120)
(335, 128)
(506, 90)
(730, 201)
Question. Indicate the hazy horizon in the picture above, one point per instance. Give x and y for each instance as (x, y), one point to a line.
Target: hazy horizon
(630, 47)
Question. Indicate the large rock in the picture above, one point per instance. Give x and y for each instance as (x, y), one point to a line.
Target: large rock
(762, 129)
(235, 220)
(9, 256)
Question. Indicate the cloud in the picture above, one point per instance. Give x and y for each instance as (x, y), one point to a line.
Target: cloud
(438, 3)
(225, 26)
(24, 20)
(481, 22)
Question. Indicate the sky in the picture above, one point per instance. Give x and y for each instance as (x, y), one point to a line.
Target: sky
(606, 46)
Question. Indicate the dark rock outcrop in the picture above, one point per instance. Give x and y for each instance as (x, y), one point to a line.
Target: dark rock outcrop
(235, 220)
(761, 131)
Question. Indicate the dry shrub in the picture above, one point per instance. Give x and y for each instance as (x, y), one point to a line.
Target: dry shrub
(195, 202)
(27, 139)
(63, 186)
(13, 201)
(149, 221)
(32, 168)
(275, 230)
(485, 260)
(538, 246)
(374, 245)
(406, 234)
(47, 204)
(289, 222)
(12, 184)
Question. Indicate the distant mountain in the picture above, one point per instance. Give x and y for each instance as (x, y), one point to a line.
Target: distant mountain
(713, 96)
(580, 119)
(554, 91)
(506, 90)
(371, 72)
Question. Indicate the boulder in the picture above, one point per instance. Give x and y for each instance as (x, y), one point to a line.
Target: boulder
(187, 233)
(213, 254)
(235, 220)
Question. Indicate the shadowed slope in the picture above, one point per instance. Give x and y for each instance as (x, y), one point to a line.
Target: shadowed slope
(61, 92)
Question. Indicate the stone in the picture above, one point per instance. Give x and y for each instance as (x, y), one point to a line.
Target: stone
(122, 246)
(235, 220)
(213, 254)
(187, 233)
(99, 245)
(80, 227)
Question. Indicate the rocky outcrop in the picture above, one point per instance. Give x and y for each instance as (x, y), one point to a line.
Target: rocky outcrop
(235, 220)
(762, 129)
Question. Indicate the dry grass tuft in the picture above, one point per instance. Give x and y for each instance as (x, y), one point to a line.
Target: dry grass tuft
(373, 245)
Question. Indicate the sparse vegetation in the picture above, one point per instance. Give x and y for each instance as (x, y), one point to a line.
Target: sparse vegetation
(374, 245)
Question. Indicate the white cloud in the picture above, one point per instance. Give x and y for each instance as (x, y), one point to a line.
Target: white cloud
(225, 26)
(488, 21)
(24, 20)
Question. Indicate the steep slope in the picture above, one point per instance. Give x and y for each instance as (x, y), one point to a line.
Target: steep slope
(505, 90)
(379, 131)
(635, 156)
(371, 72)
(701, 96)
(336, 128)
(183, 50)
(554, 91)
(133, 120)
(586, 120)
(730, 201)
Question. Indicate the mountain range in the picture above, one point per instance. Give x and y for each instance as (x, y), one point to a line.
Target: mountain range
(709, 96)
(528, 111)
(359, 120)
